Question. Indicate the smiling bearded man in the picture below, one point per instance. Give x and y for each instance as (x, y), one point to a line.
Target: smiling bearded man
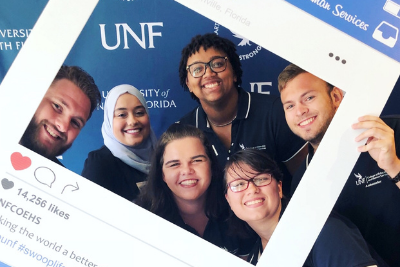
(62, 113)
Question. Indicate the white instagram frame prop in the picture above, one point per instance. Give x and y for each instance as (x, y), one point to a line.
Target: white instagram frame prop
(136, 237)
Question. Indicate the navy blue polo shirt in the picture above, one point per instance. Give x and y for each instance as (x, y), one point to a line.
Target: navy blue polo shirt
(260, 123)
(370, 200)
(216, 232)
(338, 244)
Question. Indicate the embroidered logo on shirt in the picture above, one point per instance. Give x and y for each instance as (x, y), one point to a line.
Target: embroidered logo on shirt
(262, 147)
(369, 180)
(360, 179)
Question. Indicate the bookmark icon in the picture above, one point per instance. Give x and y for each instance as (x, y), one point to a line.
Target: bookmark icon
(386, 34)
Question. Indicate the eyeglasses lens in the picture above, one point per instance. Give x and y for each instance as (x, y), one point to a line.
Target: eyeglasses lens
(216, 65)
(242, 184)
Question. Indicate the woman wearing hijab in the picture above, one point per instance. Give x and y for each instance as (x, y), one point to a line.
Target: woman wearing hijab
(129, 141)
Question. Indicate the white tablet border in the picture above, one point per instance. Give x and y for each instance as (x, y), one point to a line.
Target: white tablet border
(276, 25)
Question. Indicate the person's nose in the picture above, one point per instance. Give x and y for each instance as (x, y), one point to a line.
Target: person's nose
(301, 109)
(62, 123)
(252, 188)
(209, 71)
(186, 169)
(131, 120)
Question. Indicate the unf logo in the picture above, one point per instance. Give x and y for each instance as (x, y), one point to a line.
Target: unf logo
(128, 31)
(246, 42)
(243, 43)
(256, 86)
(251, 49)
(360, 179)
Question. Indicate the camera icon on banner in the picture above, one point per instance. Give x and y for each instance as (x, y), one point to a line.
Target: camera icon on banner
(386, 34)
(392, 7)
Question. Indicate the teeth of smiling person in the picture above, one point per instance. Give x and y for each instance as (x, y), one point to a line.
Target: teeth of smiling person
(188, 182)
(307, 121)
(210, 85)
(253, 202)
(133, 131)
(51, 132)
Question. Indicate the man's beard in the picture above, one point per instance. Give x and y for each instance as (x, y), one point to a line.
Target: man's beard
(31, 141)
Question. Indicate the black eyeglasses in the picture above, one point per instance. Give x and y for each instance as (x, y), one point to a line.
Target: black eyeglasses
(198, 69)
(241, 184)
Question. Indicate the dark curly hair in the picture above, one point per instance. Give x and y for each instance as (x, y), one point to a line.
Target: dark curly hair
(84, 81)
(156, 196)
(206, 41)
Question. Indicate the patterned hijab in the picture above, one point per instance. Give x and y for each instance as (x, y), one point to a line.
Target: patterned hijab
(137, 157)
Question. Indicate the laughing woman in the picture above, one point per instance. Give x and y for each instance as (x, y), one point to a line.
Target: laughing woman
(254, 193)
(184, 186)
(129, 141)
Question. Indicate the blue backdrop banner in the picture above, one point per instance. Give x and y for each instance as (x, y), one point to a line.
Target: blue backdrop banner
(139, 42)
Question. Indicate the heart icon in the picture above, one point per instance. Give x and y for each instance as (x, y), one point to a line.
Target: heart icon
(20, 162)
(7, 184)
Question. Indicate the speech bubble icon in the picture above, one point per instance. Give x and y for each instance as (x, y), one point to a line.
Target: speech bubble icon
(45, 176)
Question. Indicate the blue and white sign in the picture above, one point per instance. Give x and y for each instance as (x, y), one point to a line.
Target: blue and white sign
(376, 23)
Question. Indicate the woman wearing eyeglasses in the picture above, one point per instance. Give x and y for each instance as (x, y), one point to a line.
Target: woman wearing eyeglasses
(254, 193)
(210, 70)
(184, 186)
